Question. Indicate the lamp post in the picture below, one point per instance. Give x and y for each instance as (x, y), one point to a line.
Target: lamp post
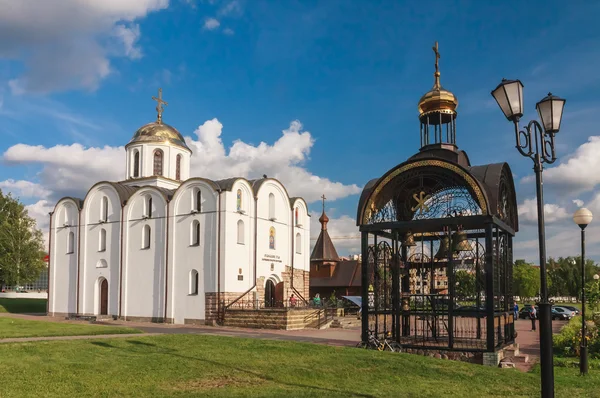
(537, 143)
(583, 217)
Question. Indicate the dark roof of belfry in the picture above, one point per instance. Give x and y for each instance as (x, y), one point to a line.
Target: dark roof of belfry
(324, 249)
(346, 274)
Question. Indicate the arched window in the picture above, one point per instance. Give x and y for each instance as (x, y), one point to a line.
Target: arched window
(178, 168)
(146, 234)
(198, 200)
(158, 162)
(298, 243)
(149, 206)
(71, 243)
(240, 232)
(104, 209)
(136, 164)
(238, 200)
(271, 206)
(193, 282)
(102, 240)
(195, 233)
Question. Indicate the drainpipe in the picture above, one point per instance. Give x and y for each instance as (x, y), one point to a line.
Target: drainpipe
(255, 249)
(219, 253)
(121, 262)
(78, 258)
(49, 262)
(167, 266)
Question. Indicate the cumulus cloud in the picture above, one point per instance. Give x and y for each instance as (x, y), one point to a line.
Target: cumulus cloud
(72, 40)
(211, 23)
(70, 170)
(579, 173)
(578, 202)
(552, 212)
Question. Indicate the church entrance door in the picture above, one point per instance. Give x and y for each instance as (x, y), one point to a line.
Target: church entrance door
(104, 297)
(279, 299)
(269, 294)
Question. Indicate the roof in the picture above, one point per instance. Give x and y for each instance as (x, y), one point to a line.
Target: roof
(324, 249)
(347, 273)
(159, 132)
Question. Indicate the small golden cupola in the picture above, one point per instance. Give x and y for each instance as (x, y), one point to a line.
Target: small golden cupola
(437, 113)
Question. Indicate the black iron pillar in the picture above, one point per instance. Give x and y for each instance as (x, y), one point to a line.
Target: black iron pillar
(365, 286)
(583, 349)
(546, 356)
(489, 288)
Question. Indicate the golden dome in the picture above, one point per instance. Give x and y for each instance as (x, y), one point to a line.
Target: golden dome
(438, 99)
(158, 132)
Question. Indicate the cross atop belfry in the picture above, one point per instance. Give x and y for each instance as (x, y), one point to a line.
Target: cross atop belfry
(323, 197)
(437, 57)
(159, 105)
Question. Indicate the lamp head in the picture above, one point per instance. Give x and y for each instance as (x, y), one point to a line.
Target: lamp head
(550, 110)
(509, 96)
(582, 217)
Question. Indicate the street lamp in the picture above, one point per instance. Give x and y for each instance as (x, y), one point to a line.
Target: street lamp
(537, 143)
(583, 217)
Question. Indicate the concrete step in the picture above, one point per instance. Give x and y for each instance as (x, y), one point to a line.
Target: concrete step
(522, 358)
(511, 351)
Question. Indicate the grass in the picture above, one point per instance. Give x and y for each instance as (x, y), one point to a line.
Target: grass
(14, 327)
(23, 305)
(201, 365)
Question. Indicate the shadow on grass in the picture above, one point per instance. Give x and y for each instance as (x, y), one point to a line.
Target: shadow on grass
(173, 353)
(23, 305)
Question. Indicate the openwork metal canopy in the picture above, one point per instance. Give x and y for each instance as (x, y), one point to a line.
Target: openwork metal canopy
(437, 245)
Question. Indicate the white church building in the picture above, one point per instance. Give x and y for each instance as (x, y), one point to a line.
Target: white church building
(166, 247)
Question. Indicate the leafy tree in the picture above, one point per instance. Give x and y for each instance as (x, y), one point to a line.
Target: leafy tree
(465, 284)
(21, 244)
(526, 279)
(565, 275)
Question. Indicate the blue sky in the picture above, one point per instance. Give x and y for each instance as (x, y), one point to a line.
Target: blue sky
(350, 71)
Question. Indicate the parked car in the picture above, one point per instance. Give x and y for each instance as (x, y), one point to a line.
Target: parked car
(561, 310)
(575, 310)
(559, 315)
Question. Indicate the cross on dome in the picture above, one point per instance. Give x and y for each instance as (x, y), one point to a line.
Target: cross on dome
(159, 106)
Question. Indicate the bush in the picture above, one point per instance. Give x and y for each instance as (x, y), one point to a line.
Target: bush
(567, 342)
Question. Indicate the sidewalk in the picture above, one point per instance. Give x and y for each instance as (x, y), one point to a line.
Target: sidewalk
(529, 341)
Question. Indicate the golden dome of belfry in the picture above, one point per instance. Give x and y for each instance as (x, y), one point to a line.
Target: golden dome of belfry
(437, 100)
(159, 132)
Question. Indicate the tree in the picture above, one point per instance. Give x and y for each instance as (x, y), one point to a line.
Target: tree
(526, 279)
(465, 284)
(21, 243)
(564, 274)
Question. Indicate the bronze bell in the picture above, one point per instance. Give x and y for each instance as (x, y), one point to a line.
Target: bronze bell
(444, 250)
(460, 242)
(409, 240)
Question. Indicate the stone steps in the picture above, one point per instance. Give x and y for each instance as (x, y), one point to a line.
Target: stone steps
(346, 323)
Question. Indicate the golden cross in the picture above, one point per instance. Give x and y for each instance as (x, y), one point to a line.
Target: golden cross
(159, 106)
(421, 199)
(437, 56)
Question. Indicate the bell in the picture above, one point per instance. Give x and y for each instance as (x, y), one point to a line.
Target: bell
(460, 242)
(409, 240)
(444, 250)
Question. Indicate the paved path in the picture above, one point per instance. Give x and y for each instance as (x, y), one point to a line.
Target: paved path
(529, 341)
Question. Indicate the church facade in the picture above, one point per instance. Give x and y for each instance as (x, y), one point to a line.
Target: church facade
(166, 247)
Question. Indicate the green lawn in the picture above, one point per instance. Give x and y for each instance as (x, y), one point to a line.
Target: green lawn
(200, 365)
(23, 305)
(14, 327)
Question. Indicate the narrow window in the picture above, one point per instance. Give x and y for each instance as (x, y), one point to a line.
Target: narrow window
(136, 164)
(198, 201)
(193, 282)
(195, 233)
(149, 207)
(296, 217)
(146, 237)
(158, 162)
(239, 200)
(298, 243)
(102, 243)
(104, 209)
(178, 168)
(240, 232)
(271, 206)
(272, 238)
(71, 243)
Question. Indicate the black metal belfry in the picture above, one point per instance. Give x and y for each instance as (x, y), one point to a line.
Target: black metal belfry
(437, 243)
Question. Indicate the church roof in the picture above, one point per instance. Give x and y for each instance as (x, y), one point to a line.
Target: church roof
(324, 249)
(347, 273)
(158, 132)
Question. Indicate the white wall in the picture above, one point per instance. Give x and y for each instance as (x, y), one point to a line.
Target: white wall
(302, 259)
(96, 264)
(63, 266)
(183, 257)
(144, 269)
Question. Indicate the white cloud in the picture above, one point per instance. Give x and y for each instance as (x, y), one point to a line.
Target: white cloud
(578, 202)
(70, 170)
(528, 212)
(228, 31)
(579, 173)
(211, 24)
(24, 189)
(230, 8)
(39, 212)
(67, 44)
